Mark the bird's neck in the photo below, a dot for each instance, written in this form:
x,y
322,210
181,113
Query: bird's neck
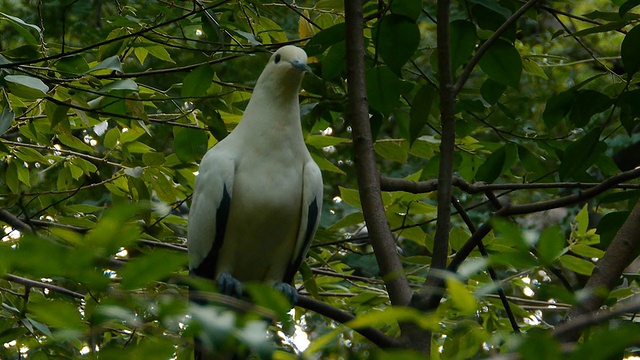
x,y
274,112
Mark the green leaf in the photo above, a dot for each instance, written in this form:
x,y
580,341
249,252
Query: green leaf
x,y
502,63
420,110
320,141
462,299
491,91
551,244
392,150
627,6
350,196
72,65
530,161
27,87
197,81
586,251
75,143
58,314
558,107
577,155
23,28
609,226
189,144
125,84
324,39
326,165
463,42
215,124
160,52
334,64
383,89
534,69
492,167
408,8
397,38
588,103
110,63
154,266
630,51
577,265
6,119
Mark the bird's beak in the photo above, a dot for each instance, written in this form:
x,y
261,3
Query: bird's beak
x,y
301,66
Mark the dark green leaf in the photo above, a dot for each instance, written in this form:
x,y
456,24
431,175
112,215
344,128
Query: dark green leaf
x,y
154,266
627,6
189,144
588,103
420,110
23,28
408,8
629,103
558,107
492,167
491,91
576,155
630,51
25,86
530,161
6,119
324,39
502,63
383,89
58,313
72,65
334,63
463,42
609,226
213,119
197,81
397,38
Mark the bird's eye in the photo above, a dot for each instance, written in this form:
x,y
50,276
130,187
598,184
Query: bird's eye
x,y
277,59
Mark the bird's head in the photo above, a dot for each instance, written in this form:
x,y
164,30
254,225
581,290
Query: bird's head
x,y
287,58
282,76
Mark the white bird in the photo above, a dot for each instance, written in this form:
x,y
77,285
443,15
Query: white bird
x,y
258,195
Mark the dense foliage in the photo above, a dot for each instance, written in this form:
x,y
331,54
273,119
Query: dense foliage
x,y
106,108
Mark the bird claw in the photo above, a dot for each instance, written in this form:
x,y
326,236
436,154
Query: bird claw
x,y
230,286
289,291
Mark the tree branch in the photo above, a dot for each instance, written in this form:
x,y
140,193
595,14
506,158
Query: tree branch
x,y
464,76
433,283
368,175
42,285
374,335
586,320
618,256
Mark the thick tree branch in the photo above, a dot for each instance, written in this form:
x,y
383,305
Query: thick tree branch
x,y
14,221
367,171
433,283
618,256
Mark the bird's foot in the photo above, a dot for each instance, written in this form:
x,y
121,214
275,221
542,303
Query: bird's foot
x,y
230,286
289,291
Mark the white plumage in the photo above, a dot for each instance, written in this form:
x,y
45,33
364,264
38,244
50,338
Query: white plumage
x,y
258,195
